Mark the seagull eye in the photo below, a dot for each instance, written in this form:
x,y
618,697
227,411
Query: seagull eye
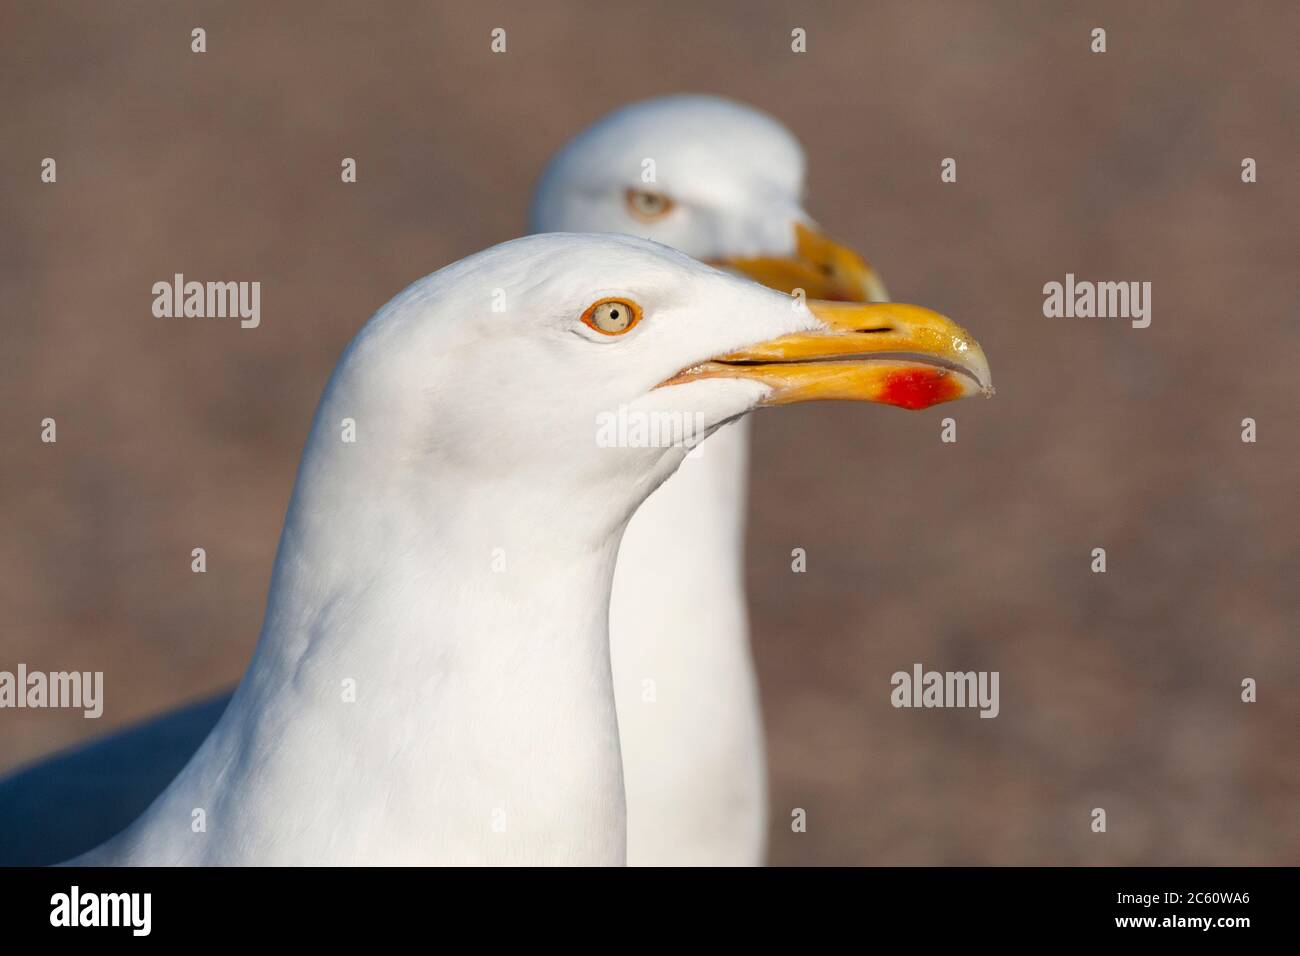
x,y
648,206
612,316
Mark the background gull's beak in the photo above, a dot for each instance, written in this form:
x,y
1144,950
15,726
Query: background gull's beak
x,y
820,266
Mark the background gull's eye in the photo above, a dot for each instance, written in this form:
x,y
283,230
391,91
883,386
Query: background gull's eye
x,y
648,206
612,316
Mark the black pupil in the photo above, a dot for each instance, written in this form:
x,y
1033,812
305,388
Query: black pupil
x,y
614,314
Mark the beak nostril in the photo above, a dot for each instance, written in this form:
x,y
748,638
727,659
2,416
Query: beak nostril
x,y
882,328
826,269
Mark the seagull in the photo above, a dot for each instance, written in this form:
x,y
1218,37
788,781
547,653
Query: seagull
x,y
722,182
432,683
726,189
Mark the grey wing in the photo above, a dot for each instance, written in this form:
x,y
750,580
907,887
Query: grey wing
x,y
72,802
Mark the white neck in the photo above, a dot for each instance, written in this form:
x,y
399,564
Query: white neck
x,y
693,749
483,728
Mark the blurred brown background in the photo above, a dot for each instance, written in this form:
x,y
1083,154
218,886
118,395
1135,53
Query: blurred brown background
x,y
1118,690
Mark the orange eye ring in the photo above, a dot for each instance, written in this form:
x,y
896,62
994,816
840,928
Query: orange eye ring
x,y
648,206
612,315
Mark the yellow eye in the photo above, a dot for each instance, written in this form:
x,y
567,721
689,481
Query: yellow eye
x,y
612,316
648,206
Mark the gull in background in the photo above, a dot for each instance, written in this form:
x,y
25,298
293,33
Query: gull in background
x,y
725,186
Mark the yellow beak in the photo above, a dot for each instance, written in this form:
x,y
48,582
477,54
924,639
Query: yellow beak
x,y
889,353
822,268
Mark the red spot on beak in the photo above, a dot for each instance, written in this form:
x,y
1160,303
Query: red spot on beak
x,y
916,388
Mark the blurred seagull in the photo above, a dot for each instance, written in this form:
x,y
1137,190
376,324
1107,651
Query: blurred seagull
x,y
411,702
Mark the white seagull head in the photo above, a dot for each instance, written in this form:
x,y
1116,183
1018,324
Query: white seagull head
x,y
720,181
585,366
